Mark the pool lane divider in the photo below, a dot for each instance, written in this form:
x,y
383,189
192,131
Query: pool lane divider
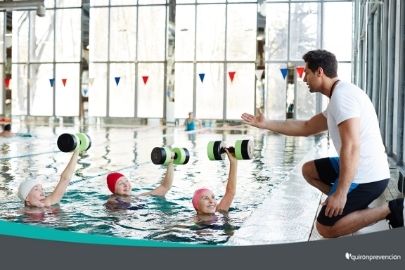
x,y
51,234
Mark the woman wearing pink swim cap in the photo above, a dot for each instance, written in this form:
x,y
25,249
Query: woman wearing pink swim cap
x,y
204,200
121,189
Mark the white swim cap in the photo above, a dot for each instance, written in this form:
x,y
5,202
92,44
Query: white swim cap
x,y
25,188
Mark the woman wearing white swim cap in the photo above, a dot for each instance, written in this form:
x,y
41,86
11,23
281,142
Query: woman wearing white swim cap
x,y
31,193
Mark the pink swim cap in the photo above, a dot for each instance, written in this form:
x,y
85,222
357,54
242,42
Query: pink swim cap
x,y
197,196
112,179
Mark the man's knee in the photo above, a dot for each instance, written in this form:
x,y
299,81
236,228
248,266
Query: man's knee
x,y
327,231
308,170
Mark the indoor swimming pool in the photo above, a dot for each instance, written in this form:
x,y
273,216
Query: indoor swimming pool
x,y
127,150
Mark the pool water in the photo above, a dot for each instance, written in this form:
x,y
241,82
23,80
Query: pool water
x,y
127,150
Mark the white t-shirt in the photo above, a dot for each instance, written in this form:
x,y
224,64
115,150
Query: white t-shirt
x,y
349,101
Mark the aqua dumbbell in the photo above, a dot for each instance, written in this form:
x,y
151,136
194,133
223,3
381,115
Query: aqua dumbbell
x,y
243,150
69,142
165,155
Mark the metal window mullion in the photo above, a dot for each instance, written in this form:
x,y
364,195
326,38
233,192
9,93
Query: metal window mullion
x,y
108,59
225,65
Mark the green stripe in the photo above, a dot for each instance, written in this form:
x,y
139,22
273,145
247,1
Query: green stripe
x,y
43,233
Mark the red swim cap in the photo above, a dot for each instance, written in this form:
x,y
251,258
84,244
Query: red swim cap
x,y
112,179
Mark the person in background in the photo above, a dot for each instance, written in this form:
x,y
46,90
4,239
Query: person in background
x,y
190,123
7,131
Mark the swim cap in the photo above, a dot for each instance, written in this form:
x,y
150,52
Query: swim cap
x,y
197,196
25,188
112,179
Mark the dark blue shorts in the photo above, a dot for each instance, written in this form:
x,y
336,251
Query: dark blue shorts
x,y
359,197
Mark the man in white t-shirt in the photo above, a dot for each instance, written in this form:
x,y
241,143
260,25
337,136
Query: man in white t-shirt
x,y
361,173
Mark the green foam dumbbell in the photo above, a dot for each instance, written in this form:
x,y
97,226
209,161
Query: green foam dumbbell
x,y
165,155
243,150
69,142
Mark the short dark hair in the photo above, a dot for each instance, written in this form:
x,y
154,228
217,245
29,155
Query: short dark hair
x,y
324,59
7,127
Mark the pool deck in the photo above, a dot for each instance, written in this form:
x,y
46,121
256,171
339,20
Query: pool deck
x,y
288,215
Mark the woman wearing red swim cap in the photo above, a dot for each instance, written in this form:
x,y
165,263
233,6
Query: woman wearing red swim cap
x,y
204,200
121,188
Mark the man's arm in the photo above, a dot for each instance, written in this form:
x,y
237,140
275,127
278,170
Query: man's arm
x,y
315,125
349,157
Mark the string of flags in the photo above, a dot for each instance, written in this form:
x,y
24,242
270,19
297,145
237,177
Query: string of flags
x,y
145,78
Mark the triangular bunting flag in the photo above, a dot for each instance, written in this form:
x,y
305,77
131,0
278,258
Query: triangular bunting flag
x,y
284,72
259,74
145,79
201,75
7,82
300,70
51,82
91,81
64,82
117,80
85,92
31,81
231,75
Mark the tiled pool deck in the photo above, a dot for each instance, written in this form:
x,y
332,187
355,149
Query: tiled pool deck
x,y
288,215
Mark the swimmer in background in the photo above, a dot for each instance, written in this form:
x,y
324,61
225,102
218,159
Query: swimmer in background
x,y
121,188
7,131
190,123
204,200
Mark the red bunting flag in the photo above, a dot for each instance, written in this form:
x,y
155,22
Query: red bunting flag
x,y
300,71
231,75
145,79
64,82
7,82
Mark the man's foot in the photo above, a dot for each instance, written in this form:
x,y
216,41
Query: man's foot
x,y
396,217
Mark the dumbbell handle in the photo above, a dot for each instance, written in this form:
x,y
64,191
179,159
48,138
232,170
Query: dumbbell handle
x,y
230,149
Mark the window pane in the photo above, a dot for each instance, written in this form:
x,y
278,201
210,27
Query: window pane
x,y
123,34
41,91
98,36
185,33
42,36
122,95
122,2
150,93
305,101
338,36
210,91
1,89
276,31
152,33
149,2
2,37
276,92
68,3
20,37
303,29
240,94
97,89
19,85
241,33
67,89
68,35
345,71
95,3
184,85
210,32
